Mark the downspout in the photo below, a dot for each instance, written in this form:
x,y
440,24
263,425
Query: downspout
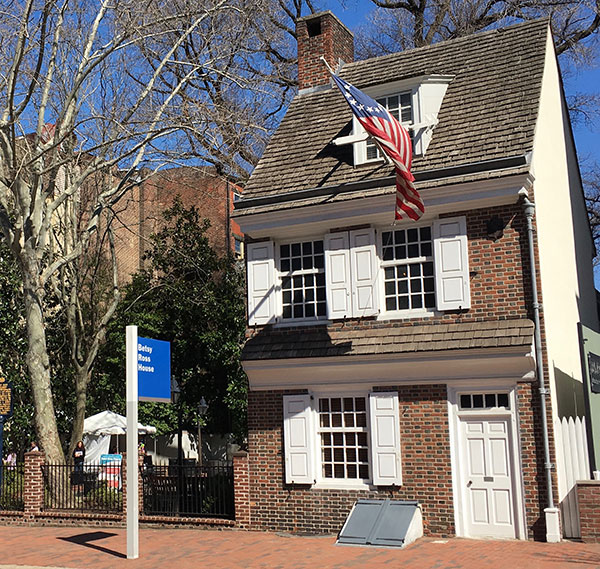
x,y
552,524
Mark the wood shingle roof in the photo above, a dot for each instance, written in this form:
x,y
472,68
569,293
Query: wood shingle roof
x,y
489,112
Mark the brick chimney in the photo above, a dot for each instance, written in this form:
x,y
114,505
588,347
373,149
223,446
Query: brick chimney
x,y
319,35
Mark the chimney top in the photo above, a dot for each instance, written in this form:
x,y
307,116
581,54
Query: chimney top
x,y
319,35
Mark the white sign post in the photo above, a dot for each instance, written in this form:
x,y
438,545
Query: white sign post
x,y
133,546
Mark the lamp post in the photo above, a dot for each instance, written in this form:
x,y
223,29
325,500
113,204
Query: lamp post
x,y
202,409
175,395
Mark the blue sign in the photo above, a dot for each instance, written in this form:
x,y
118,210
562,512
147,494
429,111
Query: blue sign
x,y
110,459
154,370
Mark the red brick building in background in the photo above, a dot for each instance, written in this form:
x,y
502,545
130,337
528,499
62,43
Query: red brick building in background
x,y
140,212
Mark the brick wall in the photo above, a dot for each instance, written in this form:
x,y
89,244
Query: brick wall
x,y
321,35
139,213
426,468
588,497
276,506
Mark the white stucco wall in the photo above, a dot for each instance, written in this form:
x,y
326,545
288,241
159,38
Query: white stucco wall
x,y
564,240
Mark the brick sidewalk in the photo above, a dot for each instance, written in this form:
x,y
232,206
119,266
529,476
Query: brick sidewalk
x,y
91,548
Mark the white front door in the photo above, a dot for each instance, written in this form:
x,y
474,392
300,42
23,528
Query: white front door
x,y
487,477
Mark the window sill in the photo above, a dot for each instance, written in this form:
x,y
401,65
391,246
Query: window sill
x,y
406,314
301,323
342,486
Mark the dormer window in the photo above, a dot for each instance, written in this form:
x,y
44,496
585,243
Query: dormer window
x,y
415,102
400,107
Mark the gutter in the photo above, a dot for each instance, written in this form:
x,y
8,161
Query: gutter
x,y
424,176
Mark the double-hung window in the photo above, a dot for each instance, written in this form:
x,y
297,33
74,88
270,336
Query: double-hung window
x,y
302,274
401,108
343,437
408,270
341,440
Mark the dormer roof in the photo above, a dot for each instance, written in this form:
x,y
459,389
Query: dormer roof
x,y
486,121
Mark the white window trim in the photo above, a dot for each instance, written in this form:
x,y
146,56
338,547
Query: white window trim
x,y
338,483
278,276
411,312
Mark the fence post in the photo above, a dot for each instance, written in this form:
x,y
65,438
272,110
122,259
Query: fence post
x,y
33,483
241,489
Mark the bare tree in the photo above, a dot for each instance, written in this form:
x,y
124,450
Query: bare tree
x,y
402,24
89,93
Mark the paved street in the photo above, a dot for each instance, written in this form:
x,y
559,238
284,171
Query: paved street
x,y
97,548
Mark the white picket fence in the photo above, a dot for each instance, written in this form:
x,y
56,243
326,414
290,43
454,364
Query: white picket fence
x,y
574,464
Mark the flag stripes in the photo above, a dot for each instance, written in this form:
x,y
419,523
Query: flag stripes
x,y
393,140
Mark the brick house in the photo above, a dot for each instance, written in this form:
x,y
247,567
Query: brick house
x,y
412,360
139,213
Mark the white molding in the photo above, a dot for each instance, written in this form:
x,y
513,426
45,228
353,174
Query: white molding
x,y
352,372
320,218
512,415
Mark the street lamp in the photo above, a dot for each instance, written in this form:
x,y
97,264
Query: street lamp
x,y
202,409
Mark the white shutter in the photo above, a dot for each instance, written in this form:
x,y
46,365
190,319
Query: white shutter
x,y
451,258
385,439
298,439
261,283
363,259
337,273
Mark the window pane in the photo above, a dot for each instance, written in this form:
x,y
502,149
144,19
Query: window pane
x,y
490,400
305,262
465,401
478,401
363,471
348,404
323,405
351,471
336,404
503,400
390,304
400,237
360,403
413,235
387,238
336,420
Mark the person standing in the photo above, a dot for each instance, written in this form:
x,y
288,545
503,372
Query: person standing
x,y
78,459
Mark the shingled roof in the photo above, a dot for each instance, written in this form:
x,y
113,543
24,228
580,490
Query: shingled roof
x,y
488,113
330,341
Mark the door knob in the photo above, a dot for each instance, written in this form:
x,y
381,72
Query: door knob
x,y
469,483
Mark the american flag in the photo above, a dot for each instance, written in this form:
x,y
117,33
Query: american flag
x,y
394,141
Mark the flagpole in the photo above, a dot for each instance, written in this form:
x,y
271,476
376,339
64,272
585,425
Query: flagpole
x,y
326,64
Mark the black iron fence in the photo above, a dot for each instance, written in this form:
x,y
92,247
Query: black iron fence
x,y
11,487
189,490
85,488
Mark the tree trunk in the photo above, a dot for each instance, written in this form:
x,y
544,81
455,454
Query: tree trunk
x,y
39,366
81,383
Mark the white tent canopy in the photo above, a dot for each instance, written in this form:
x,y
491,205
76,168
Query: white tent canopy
x,y
110,423
98,429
